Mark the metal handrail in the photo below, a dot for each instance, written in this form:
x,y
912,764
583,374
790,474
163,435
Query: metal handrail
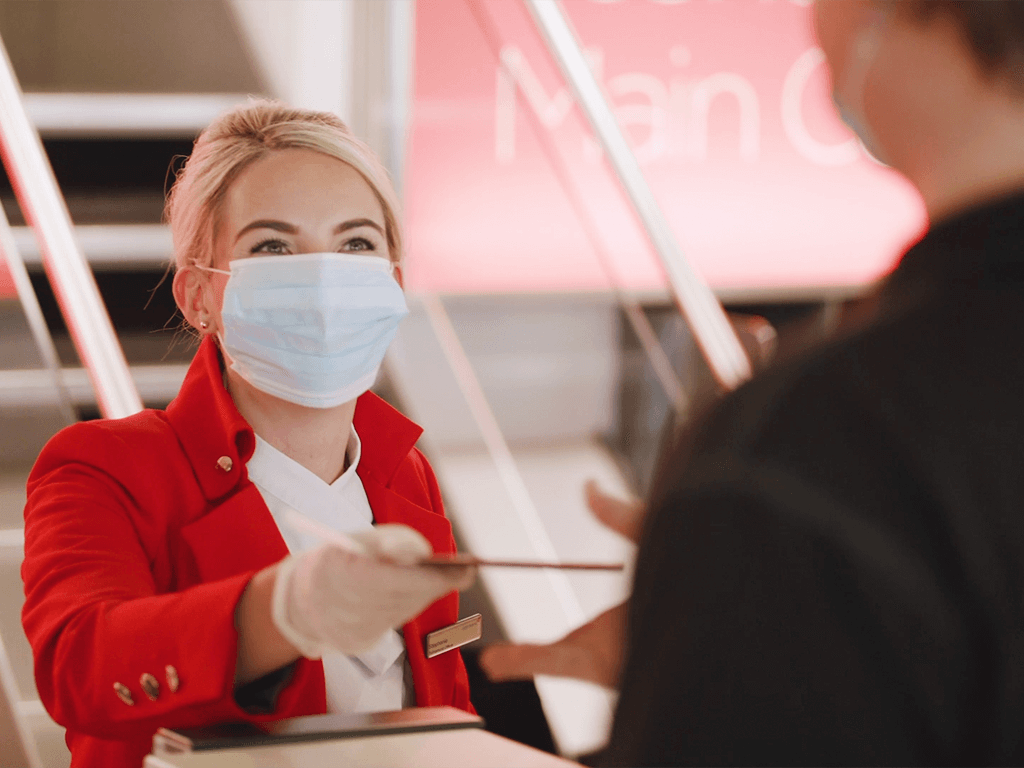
x,y
34,315
39,197
705,315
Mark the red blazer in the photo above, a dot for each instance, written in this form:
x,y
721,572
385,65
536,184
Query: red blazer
x,y
140,536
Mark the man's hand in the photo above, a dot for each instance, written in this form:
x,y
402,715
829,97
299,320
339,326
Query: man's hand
x,y
623,517
592,652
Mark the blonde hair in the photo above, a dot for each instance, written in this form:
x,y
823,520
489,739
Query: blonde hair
x,y
242,136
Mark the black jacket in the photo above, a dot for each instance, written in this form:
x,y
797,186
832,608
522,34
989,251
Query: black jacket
x,y
833,569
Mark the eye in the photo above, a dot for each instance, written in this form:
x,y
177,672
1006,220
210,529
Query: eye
x,y
358,244
273,246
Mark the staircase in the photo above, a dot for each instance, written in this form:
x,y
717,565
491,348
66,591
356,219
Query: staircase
x,y
117,89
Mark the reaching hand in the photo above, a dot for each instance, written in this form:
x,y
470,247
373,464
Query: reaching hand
x,y
592,652
623,517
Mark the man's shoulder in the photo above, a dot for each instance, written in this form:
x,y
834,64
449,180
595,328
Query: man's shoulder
x,y
841,382
840,418
788,395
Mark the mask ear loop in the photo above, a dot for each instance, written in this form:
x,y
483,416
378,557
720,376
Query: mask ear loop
x,y
212,269
865,49
854,83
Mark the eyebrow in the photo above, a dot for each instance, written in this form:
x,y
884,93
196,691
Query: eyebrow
x,y
291,229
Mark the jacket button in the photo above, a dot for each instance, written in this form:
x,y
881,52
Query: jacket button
x,y
172,678
150,686
225,463
124,694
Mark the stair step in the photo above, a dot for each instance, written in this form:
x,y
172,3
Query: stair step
x,y
33,388
110,246
135,115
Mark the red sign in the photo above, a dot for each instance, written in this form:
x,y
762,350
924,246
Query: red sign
x,y
727,107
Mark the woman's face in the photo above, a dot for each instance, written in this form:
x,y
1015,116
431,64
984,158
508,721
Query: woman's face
x,y
292,201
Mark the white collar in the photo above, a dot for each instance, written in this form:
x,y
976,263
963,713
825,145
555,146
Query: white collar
x,y
353,451
296,485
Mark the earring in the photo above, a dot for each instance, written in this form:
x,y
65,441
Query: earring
x,y
203,325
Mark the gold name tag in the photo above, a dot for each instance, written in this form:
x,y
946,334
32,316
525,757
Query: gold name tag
x,y
458,634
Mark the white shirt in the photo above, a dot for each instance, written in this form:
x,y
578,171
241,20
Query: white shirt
x,y
372,681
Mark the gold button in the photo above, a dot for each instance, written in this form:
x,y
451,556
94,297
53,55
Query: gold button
x,y
225,463
172,678
124,694
150,686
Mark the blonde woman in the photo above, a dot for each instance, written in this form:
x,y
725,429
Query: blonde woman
x,y
170,580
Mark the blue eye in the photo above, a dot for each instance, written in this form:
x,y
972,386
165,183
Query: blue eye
x,y
359,244
273,246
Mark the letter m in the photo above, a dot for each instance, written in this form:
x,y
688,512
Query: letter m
x,y
514,70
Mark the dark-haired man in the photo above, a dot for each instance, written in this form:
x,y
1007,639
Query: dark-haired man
x,y
832,568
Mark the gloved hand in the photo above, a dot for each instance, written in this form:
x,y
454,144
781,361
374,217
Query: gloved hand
x,y
329,599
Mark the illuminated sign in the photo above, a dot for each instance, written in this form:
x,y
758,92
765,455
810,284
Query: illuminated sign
x,y
727,107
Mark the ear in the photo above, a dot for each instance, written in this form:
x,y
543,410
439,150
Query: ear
x,y
189,293
399,277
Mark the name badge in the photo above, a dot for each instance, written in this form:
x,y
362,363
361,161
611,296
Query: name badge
x,y
454,636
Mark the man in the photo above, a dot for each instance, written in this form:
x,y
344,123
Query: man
x,y
832,569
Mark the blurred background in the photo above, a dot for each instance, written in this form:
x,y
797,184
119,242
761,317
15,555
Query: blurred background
x,y
544,346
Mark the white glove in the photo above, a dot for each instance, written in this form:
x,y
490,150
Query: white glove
x,y
329,599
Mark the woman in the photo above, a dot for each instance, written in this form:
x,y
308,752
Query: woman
x,y
159,586
830,572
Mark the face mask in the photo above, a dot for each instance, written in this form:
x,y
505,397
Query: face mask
x,y
848,96
310,328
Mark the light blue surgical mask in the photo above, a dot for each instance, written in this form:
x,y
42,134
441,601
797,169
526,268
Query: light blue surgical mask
x,y
310,328
848,96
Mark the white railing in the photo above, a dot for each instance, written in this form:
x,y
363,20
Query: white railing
x,y
54,385
85,315
40,199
